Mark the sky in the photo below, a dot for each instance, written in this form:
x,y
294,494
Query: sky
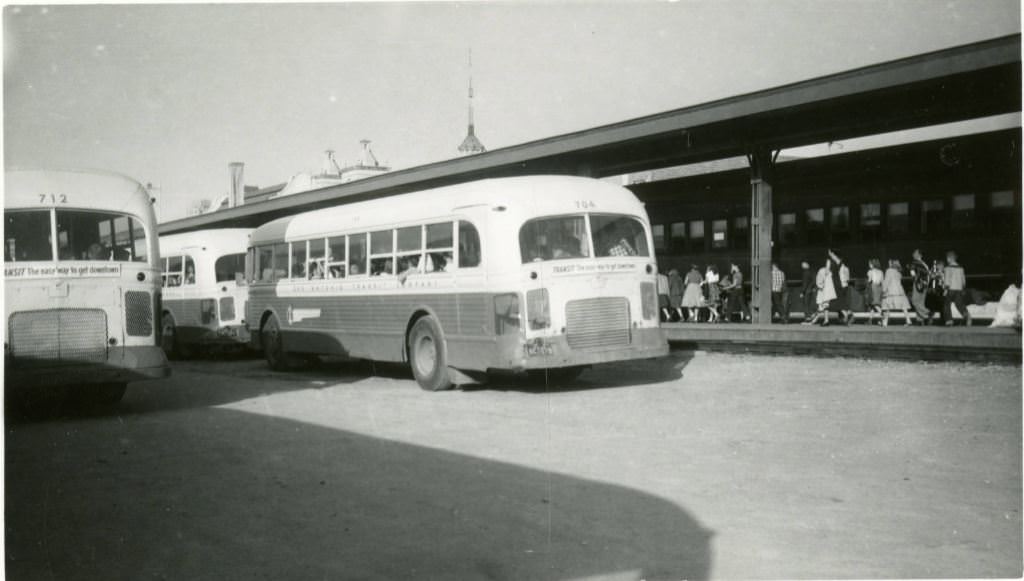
x,y
170,94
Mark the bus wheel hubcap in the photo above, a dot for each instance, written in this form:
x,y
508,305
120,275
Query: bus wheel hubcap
x,y
426,355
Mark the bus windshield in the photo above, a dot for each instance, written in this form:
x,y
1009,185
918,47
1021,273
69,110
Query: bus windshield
x,y
565,237
81,235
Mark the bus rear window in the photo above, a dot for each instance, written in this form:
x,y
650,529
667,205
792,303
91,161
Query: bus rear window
x,y
618,236
230,267
83,235
554,239
565,237
27,236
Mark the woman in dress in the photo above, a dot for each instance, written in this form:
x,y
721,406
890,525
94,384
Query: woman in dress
x,y
841,282
825,295
893,296
875,278
675,292
711,280
693,299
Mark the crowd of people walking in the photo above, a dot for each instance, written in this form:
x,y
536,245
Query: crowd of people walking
x,y
829,289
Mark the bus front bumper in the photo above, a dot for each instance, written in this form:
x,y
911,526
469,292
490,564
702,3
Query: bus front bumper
x,y
554,352
122,365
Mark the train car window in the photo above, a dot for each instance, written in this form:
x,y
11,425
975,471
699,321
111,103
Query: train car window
x,y
787,229
870,222
740,231
658,233
815,227
1000,200
1002,216
933,217
839,223
963,212
898,219
696,228
719,234
677,236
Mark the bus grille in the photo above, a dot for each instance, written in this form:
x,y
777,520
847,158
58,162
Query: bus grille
x,y
138,312
227,308
599,322
58,335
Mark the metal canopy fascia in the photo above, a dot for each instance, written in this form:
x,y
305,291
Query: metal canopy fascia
x,y
955,84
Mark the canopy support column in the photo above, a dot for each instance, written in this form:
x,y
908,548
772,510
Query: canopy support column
x,y
762,166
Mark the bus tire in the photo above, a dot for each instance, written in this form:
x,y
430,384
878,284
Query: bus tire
x,y
428,355
171,342
273,346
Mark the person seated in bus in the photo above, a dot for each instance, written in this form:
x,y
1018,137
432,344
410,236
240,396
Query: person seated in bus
x,y
336,271
439,261
190,274
469,255
567,247
174,280
379,266
95,252
316,270
354,269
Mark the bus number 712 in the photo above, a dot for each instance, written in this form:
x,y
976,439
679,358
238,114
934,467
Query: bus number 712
x,y
53,198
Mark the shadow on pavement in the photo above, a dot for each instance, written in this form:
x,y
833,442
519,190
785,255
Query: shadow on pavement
x,y
604,376
222,494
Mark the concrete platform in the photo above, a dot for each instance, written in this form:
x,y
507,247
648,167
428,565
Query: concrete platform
x,y
932,343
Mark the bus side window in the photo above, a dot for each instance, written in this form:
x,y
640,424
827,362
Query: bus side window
x,y
469,245
357,254
299,259
336,257
174,270
190,270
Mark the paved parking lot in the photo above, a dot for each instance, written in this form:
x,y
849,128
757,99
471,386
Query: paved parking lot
x,y
699,465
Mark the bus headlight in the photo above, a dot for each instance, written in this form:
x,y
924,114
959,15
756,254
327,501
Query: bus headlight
x,y
538,309
648,300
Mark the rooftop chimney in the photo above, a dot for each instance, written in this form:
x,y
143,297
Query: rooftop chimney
x,y
236,193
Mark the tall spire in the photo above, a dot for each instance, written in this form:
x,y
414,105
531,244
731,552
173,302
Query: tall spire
x,y
471,145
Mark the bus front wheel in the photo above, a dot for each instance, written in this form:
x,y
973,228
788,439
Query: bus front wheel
x,y
273,346
171,342
428,355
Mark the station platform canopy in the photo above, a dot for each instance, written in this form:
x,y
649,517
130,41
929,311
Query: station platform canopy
x,y
961,83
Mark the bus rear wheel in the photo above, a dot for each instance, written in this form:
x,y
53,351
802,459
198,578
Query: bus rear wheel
x,y
428,355
273,346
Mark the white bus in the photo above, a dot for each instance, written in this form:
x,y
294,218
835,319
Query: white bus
x,y
81,283
204,290
519,274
